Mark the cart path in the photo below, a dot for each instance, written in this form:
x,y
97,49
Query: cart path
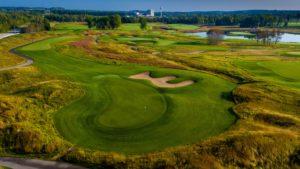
x,y
20,163
27,61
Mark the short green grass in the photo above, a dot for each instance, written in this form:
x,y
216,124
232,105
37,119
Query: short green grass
x,y
183,26
70,26
283,72
241,34
46,45
288,69
293,54
294,25
132,116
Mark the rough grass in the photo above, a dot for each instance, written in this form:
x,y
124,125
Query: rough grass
x,y
26,102
8,59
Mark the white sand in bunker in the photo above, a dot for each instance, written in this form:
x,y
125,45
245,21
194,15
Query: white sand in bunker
x,y
162,81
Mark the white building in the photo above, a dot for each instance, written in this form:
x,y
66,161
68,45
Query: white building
x,y
152,13
149,13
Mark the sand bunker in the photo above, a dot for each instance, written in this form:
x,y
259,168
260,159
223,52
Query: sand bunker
x,y
161,82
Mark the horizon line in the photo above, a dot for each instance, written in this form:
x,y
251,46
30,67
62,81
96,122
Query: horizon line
x,y
78,9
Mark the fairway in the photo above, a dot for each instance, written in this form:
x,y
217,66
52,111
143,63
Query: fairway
x,y
283,72
133,116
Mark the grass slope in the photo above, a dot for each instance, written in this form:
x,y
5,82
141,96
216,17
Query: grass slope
x,y
282,72
131,116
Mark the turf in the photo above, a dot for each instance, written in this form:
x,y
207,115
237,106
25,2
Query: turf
x,y
289,69
283,72
70,26
132,116
46,45
241,34
294,25
183,26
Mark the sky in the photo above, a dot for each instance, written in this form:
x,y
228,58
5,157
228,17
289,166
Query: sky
x,y
168,5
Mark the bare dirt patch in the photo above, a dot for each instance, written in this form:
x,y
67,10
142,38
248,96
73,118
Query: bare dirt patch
x,y
162,81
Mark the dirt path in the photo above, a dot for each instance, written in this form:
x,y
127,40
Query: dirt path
x,y
18,163
163,81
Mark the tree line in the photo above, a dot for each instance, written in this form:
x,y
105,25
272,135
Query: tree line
x,y
15,18
24,21
259,20
104,22
251,18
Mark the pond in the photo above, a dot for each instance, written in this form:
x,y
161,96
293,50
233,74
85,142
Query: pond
x,y
285,37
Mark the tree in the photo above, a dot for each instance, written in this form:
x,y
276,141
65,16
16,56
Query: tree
x,y
103,23
143,22
115,21
47,25
111,22
215,36
267,37
90,22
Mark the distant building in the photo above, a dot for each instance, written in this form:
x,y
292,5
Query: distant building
x,y
138,14
150,13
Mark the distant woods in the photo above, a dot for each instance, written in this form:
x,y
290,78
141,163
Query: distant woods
x,y
36,20
105,22
250,18
36,25
24,21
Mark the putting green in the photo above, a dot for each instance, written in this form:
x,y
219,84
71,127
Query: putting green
x,y
134,109
132,116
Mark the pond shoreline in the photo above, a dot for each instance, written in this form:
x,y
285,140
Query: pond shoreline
x,y
285,37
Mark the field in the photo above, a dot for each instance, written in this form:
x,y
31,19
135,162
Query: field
x,y
78,100
294,25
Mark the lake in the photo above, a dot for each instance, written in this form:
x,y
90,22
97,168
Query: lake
x,y
286,37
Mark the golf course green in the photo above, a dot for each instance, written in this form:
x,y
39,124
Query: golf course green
x,y
119,114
